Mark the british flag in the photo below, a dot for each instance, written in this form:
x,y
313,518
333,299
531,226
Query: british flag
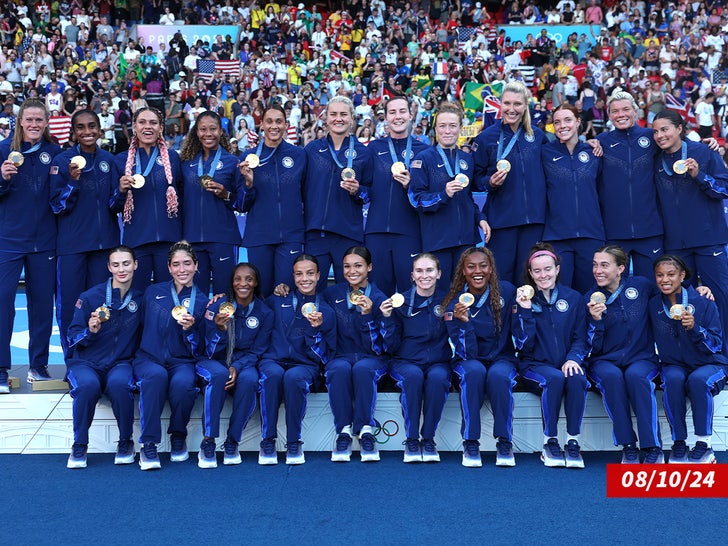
x,y
684,108
207,67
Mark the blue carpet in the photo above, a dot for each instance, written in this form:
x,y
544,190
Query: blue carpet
x,y
326,503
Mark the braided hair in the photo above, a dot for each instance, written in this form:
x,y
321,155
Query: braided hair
x,y
172,201
458,283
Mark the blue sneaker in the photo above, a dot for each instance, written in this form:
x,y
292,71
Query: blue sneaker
x,y
368,448
551,455
148,457
294,453
232,454
124,452
679,453
268,454
39,374
655,456
77,458
572,455
429,451
471,454
4,384
630,454
178,452
342,449
412,451
504,453
701,454
206,458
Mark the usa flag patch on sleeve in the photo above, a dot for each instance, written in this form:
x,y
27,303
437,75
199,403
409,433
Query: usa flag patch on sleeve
x,y
79,303
209,315
54,169
416,164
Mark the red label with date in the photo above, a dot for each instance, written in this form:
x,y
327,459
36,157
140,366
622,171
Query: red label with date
x,y
667,480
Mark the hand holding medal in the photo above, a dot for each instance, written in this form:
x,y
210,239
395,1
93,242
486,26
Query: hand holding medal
x,y
11,165
76,166
349,181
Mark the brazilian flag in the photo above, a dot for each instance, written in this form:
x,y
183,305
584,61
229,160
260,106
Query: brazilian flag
x,y
473,96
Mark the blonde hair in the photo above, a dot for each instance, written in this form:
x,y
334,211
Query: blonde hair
x,y
19,135
346,101
519,88
621,94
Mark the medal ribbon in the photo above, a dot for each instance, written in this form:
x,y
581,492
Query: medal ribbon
x,y
407,153
536,307
684,302
349,159
260,149
447,162
511,143
411,306
33,148
483,297
124,303
92,162
193,296
295,302
150,165
200,165
683,157
367,291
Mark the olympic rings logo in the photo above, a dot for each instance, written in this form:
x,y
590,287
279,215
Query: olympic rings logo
x,y
386,432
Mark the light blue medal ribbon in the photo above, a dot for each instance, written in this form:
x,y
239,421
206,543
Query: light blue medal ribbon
x,y
501,153
295,302
211,171
683,157
411,306
193,297
536,307
150,165
259,150
366,291
614,296
350,155
684,303
124,303
447,162
482,299
92,162
33,148
407,153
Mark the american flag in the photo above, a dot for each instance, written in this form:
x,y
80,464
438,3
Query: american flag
x,y
60,128
681,107
207,67
464,34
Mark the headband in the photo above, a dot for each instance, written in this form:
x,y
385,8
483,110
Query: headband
x,y
540,253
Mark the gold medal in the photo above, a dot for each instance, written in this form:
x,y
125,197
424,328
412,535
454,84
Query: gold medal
x,y
79,161
308,308
467,299
178,311
354,296
252,160
397,300
677,311
527,291
680,167
348,174
462,179
503,165
16,158
398,167
597,297
205,181
103,313
138,181
227,309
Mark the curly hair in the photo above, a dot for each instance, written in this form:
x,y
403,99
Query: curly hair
x,y
191,145
458,283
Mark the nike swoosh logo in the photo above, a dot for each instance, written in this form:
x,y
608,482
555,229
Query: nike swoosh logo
x,y
717,253
613,145
656,250
661,171
323,150
294,251
414,255
51,257
286,305
557,158
159,297
381,153
339,301
440,165
417,313
225,258
475,314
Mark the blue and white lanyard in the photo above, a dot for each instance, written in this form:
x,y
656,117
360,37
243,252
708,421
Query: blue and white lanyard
x,y
213,165
193,296
367,291
350,154
412,303
407,153
295,302
684,303
683,157
124,303
259,149
150,165
447,163
509,147
92,162
536,307
482,299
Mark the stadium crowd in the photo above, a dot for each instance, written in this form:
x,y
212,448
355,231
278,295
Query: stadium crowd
x,y
603,207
